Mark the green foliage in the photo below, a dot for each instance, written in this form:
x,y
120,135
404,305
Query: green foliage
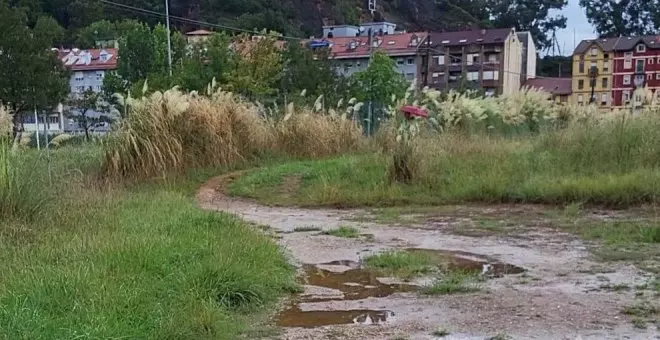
x,y
454,282
49,30
30,74
81,106
205,61
258,68
613,18
138,54
103,30
344,232
380,81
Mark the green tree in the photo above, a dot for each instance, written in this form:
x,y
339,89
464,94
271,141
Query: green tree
x,y
555,66
258,67
82,105
48,29
613,18
379,81
137,54
206,60
31,75
102,30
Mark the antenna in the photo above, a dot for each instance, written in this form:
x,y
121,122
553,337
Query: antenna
x,y
372,6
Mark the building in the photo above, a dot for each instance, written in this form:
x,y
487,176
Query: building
x,y
379,28
487,59
614,68
559,88
636,66
352,53
592,72
198,36
528,56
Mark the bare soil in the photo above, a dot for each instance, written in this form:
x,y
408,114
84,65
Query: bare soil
x,y
561,295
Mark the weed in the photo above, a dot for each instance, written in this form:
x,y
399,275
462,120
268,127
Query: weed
x,y
639,323
500,337
441,333
306,229
644,310
343,231
402,263
454,282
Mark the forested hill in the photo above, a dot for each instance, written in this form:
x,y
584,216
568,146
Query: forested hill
x,y
304,18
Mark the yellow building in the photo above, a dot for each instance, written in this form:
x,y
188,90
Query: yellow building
x,y
593,65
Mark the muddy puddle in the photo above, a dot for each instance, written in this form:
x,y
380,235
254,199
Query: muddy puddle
x,y
348,281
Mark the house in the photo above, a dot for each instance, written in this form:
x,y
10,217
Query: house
x,y
88,68
352,53
636,67
486,59
614,68
559,88
592,72
197,36
378,28
528,56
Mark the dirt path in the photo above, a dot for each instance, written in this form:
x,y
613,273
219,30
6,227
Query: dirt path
x,y
560,295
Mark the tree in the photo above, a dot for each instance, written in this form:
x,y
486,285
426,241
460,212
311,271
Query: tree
x,y
614,18
137,54
258,67
48,29
555,66
203,62
102,30
379,81
82,105
31,75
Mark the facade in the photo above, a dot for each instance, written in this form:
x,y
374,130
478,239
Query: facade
x,y
487,59
351,54
618,68
528,57
592,72
636,66
559,88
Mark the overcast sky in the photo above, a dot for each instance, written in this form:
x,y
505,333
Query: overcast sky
x,y
577,22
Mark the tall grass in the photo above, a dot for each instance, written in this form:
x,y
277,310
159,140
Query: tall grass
x,y
173,131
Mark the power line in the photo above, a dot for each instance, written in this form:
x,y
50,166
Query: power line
x,y
186,20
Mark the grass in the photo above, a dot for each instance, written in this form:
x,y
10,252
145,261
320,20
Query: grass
x,y
454,282
140,263
344,232
441,333
402,263
611,164
306,229
622,232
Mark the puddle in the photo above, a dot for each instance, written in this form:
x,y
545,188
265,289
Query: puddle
x,y
294,317
357,283
457,260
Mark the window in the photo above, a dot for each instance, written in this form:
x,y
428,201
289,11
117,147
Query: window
x,y
99,88
53,120
456,61
626,97
639,80
639,65
593,65
441,59
657,76
606,56
79,76
627,63
626,79
641,48
649,76
410,61
80,89
605,83
651,61
473,76
410,76
603,99
399,61
492,58
606,66
580,99
100,75
581,84
581,66
348,65
594,51
437,77
658,60
472,58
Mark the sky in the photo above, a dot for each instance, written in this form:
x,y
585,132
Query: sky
x,y
577,22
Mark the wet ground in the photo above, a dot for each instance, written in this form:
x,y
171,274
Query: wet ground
x,y
541,283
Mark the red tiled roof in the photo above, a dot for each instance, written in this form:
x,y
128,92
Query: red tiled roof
x,y
392,44
88,60
200,32
556,86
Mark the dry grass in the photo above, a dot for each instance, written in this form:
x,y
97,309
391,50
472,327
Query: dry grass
x,y
173,131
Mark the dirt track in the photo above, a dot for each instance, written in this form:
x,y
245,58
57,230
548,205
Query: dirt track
x,y
560,296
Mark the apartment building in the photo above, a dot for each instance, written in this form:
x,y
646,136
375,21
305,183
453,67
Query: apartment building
x,y
487,59
528,56
636,66
352,53
592,72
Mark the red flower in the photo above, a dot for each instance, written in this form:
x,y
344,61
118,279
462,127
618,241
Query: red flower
x,y
410,112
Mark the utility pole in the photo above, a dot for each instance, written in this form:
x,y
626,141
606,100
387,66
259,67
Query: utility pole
x,y
370,111
36,127
169,38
